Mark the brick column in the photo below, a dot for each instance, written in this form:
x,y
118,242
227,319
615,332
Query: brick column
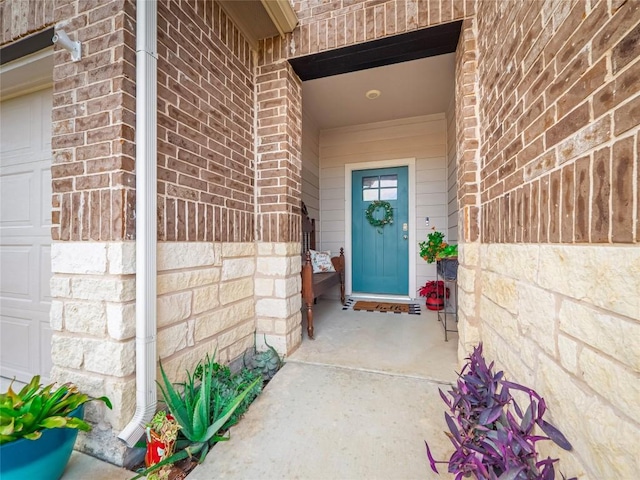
x,y
278,194
467,133
93,253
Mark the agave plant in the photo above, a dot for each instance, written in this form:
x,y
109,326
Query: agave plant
x,y
34,408
225,386
492,441
192,410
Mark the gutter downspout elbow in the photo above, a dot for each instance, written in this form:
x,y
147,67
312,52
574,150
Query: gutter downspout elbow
x,y
146,226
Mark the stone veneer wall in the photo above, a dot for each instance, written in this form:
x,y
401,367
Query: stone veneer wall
x,y
205,304
277,296
556,277
93,317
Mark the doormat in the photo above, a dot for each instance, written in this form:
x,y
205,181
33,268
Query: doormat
x,y
385,307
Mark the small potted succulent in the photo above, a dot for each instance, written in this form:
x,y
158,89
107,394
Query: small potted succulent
x,y
38,428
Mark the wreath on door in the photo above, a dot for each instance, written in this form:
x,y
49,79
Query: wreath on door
x,y
379,223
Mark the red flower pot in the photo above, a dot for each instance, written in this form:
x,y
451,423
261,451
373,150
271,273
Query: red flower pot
x,y
435,302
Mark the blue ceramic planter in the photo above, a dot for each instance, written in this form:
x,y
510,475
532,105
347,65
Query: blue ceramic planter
x,y
44,459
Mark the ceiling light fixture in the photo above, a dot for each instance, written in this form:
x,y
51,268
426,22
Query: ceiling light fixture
x,y
373,94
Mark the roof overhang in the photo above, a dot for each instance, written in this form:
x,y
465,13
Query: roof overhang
x,y
259,19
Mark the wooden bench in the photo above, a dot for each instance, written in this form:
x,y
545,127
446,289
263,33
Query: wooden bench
x,y
316,284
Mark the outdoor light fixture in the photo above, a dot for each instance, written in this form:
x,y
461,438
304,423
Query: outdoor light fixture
x,y
75,48
373,94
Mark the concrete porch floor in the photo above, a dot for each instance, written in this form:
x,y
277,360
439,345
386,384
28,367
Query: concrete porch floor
x,y
356,403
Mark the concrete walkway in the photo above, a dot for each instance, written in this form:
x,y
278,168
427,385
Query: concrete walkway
x,y
86,467
356,414
356,403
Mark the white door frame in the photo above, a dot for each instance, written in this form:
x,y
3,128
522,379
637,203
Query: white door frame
x,y
398,162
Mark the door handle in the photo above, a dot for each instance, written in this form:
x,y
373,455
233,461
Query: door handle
x,y
405,236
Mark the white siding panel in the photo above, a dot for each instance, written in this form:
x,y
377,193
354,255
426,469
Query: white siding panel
x,y
430,187
452,173
310,167
423,138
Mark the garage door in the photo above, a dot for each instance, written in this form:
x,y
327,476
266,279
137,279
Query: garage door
x,y
25,235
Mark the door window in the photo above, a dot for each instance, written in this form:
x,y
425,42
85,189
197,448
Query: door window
x,y
383,187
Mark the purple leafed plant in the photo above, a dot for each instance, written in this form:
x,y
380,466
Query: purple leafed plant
x,y
493,436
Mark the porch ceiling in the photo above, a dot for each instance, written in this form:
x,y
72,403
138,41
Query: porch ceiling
x,y
408,89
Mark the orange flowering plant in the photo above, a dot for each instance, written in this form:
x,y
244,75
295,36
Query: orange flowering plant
x,y
435,248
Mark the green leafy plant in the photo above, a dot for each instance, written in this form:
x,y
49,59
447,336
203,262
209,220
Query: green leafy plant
x,y
35,408
435,248
267,362
192,410
225,386
494,437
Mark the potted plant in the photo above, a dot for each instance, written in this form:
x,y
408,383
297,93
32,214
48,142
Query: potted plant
x,y
494,438
435,249
38,428
434,291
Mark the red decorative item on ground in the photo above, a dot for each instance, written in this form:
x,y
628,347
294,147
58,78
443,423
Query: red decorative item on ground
x,y
156,449
160,444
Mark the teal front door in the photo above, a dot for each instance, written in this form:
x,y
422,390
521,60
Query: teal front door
x,y
380,261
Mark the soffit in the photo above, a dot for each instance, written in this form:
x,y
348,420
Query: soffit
x,y
261,19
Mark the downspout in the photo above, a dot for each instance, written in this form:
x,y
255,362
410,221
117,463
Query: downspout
x,y
146,227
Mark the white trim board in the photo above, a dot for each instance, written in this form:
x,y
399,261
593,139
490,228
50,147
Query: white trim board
x,y
27,74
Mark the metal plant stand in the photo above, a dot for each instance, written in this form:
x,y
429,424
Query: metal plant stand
x,y
447,271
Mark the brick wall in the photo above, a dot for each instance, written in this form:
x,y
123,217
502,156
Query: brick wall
x,y
205,125
558,111
279,160
21,18
93,124
559,120
467,132
338,23
322,26
93,114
